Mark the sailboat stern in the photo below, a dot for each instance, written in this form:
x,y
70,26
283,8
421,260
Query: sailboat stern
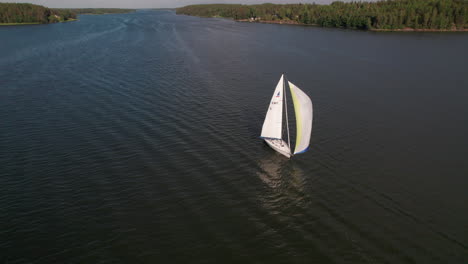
x,y
279,145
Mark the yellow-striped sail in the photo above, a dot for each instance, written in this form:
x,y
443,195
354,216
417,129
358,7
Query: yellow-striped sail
x,y
304,114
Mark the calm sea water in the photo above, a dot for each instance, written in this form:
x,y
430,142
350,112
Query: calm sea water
x,y
134,138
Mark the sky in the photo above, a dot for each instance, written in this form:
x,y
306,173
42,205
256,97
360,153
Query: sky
x,y
152,3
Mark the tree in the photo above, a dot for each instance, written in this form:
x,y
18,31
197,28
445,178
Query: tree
x,y
388,14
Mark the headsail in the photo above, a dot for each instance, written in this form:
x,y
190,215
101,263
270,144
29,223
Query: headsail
x,y
273,124
303,111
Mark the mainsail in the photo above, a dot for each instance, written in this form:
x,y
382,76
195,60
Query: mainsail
x,y
272,126
303,111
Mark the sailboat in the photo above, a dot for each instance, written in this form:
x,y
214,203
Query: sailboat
x,y
272,130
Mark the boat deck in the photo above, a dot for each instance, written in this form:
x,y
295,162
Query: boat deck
x,y
279,145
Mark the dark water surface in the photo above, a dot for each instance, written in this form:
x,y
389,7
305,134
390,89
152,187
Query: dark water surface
x,y
134,138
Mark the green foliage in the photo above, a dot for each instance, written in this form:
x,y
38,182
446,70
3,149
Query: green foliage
x,y
386,14
29,13
96,11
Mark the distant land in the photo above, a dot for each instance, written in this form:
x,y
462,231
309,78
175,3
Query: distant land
x,y
18,14
97,11
164,9
26,14
390,15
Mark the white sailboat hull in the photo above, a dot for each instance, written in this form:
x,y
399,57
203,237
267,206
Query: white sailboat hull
x,y
279,145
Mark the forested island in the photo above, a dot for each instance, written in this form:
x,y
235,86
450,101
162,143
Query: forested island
x,y
390,15
17,14
21,14
97,11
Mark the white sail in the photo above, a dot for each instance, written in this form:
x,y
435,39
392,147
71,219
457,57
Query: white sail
x,y
304,114
273,124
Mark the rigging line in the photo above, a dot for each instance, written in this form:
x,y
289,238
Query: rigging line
x,y
286,107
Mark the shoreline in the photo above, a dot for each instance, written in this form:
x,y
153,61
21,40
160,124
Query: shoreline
x,y
282,22
35,23
418,30
291,22
20,24
69,20
91,14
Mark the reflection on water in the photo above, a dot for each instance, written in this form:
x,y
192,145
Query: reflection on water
x,y
272,169
285,181
277,171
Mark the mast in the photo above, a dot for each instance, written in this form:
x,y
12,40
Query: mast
x,y
286,107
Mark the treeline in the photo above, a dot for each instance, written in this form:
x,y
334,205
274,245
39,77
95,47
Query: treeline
x,y
97,11
383,15
12,13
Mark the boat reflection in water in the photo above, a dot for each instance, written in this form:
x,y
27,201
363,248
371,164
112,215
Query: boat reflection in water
x,y
285,184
